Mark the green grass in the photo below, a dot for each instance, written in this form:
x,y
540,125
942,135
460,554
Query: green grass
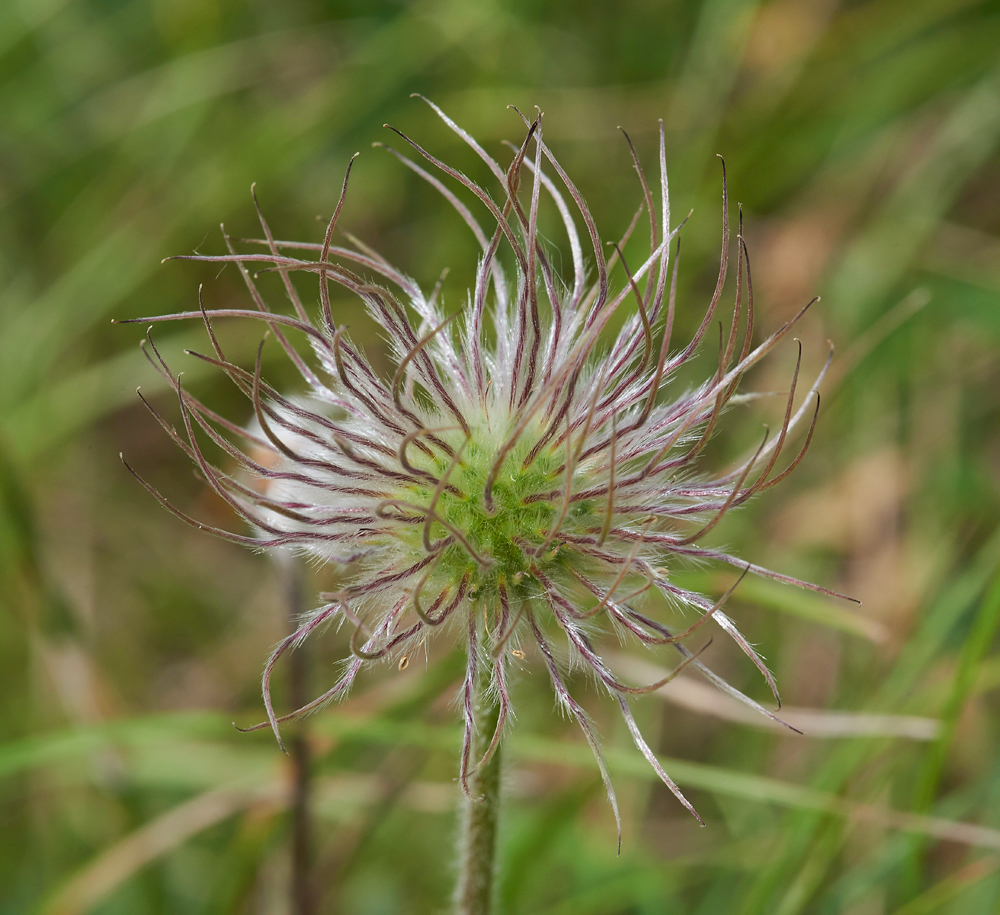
x,y
863,140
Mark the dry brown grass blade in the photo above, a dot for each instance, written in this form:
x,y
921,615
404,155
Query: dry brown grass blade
x,y
119,862
693,695
116,864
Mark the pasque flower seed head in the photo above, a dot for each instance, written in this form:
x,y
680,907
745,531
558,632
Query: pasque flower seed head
x,y
525,478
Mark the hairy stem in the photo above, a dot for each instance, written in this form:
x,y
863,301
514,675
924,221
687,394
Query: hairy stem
x,y
477,846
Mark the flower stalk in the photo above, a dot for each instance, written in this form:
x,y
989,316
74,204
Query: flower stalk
x,y
525,468
480,814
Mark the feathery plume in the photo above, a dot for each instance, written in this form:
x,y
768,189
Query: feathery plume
x,y
524,476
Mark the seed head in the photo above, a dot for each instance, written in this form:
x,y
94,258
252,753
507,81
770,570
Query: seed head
x,y
525,479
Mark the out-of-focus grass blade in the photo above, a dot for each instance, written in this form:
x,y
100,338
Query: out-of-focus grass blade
x,y
698,696
45,749
40,751
756,788
977,643
162,835
612,893
38,333
879,256
119,862
524,852
980,638
944,612
19,19
825,611
58,411
946,890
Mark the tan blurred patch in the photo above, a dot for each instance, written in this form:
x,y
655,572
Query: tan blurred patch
x,y
84,694
266,457
873,901
965,253
192,683
854,507
790,257
783,32
971,752
860,515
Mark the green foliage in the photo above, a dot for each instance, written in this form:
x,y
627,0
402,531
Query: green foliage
x,y
863,140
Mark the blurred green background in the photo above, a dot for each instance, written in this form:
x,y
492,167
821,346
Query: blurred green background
x,y
863,140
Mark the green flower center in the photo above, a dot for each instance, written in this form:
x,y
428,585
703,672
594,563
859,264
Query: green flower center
x,y
500,547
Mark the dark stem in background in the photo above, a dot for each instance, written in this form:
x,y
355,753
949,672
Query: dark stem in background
x,y
303,900
396,773
477,844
